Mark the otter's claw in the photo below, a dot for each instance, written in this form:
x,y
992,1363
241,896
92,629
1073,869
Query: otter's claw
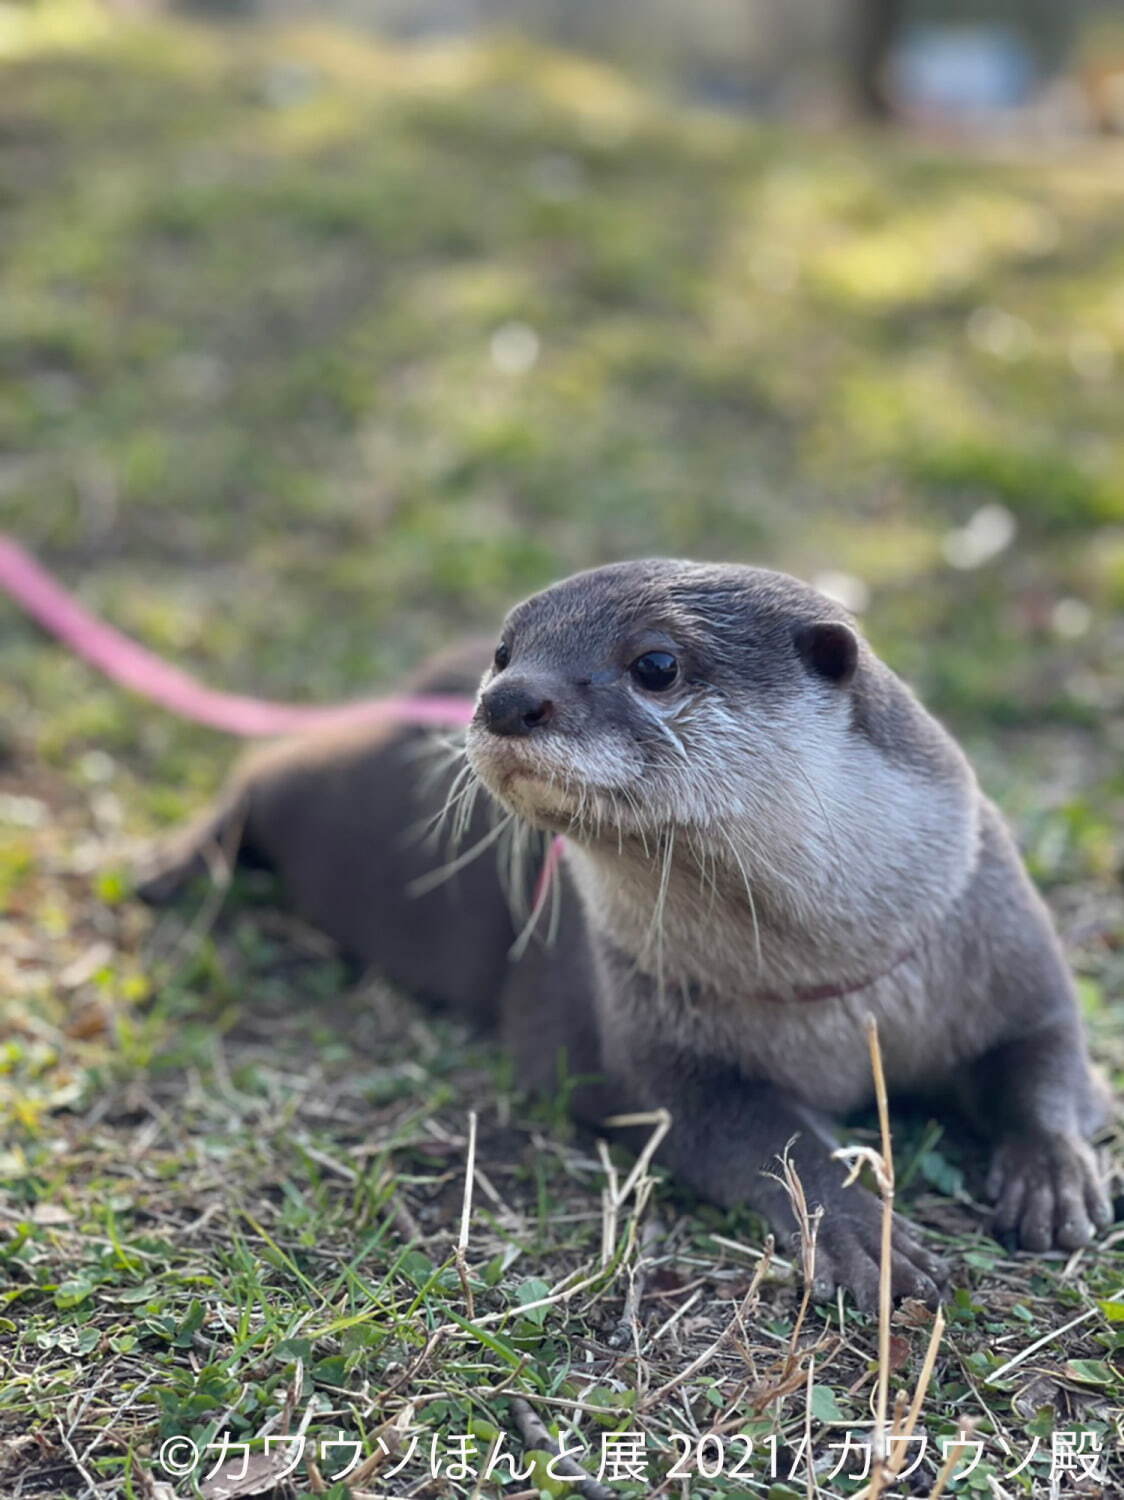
x,y
1048,1192
849,1252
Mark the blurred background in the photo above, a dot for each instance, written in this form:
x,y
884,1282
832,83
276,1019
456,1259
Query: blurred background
x,y
327,330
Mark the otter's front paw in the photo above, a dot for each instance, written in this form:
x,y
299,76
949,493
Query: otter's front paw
x,y
1047,1191
849,1252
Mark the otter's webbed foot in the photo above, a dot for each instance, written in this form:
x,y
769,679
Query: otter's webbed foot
x,y
162,872
849,1255
729,1135
211,845
1048,1191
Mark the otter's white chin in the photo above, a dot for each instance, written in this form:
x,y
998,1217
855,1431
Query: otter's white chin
x,y
535,797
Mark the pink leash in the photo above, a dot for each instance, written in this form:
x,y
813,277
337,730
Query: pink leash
x,y
141,671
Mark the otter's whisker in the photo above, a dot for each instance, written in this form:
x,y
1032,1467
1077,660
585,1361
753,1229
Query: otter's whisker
x,y
464,812
736,856
434,878
460,791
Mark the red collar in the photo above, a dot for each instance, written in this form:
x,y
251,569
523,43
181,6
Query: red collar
x,y
836,991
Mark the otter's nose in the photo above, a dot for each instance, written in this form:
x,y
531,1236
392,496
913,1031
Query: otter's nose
x,y
515,708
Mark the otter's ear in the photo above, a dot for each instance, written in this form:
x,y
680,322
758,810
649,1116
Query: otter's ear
x,y
829,649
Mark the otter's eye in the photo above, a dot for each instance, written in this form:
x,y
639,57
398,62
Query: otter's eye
x,y
502,656
655,671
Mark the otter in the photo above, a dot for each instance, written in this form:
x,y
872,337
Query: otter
x,y
764,839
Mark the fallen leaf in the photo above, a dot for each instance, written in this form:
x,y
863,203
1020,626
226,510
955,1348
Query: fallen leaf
x,y
51,1213
89,1021
85,966
899,1351
242,1477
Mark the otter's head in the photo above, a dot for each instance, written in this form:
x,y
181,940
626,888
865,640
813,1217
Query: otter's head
x,y
651,694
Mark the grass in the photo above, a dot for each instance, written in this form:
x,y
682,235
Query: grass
x,y
314,354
